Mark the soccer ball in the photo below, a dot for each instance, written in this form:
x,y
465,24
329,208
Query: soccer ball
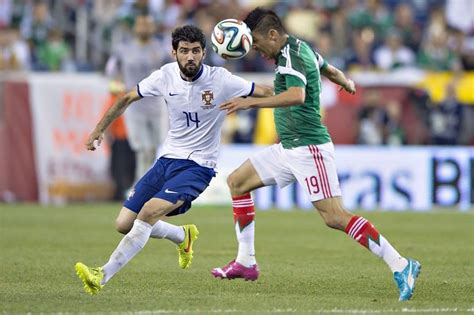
x,y
231,39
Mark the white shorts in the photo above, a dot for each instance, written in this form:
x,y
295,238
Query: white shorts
x,y
312,166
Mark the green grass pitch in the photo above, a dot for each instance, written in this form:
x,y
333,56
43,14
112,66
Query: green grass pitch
x,y
306,268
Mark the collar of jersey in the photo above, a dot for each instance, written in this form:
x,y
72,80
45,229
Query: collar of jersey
x,y
197,76
281,50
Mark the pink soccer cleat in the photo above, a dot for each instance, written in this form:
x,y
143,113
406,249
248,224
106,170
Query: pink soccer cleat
x,y
234,270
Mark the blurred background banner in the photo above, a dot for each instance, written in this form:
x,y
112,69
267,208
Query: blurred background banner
x,y
372,178
64,110
400,178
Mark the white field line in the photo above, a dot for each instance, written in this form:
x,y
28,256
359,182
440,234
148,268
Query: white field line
x,y
403,310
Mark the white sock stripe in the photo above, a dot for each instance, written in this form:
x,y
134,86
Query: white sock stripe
x,y
357,226
237,200
240,202
356,231
243,206
354,225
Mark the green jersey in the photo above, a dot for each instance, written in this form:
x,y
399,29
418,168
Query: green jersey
x,y
299,125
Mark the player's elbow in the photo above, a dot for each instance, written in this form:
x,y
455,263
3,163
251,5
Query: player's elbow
x,y
130,97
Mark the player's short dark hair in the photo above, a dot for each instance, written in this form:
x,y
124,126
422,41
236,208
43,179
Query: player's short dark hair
x,y
188,33
261,20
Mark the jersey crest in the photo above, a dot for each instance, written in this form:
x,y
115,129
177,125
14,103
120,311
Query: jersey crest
x,y
207,97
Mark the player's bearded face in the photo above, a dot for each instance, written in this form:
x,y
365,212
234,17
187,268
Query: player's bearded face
x,y
189,57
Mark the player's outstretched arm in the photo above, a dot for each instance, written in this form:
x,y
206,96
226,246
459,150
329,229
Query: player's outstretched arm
x,y
338,77
262,91
293,96
112,113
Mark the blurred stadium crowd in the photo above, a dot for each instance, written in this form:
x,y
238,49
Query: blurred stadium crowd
x,y
78,35
354,35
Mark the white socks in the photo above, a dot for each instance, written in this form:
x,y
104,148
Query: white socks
x,y
246,253
128,247
168,231
389,254
135,240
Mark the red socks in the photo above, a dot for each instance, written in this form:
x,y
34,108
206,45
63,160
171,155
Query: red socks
x,y
362,230
244,210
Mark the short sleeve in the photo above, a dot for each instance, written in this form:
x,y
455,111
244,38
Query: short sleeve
x,y
235,86
321,62
151,85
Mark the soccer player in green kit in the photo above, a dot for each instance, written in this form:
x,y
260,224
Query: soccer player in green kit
x,y
305,153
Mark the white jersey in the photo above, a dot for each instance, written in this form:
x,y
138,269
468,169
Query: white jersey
x,y
195,120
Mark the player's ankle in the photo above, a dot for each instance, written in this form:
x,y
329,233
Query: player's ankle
x,y
246,261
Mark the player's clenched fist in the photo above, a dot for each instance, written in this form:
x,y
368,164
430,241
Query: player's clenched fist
x,y
349,87
94,136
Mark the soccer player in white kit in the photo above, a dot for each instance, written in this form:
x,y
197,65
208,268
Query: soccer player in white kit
x,y
192,92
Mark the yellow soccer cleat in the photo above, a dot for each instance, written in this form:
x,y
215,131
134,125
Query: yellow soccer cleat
x,y
185,249
91,277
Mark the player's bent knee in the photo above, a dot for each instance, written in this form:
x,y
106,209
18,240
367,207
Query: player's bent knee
x,y
230,180
235,186
122,227
124,221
